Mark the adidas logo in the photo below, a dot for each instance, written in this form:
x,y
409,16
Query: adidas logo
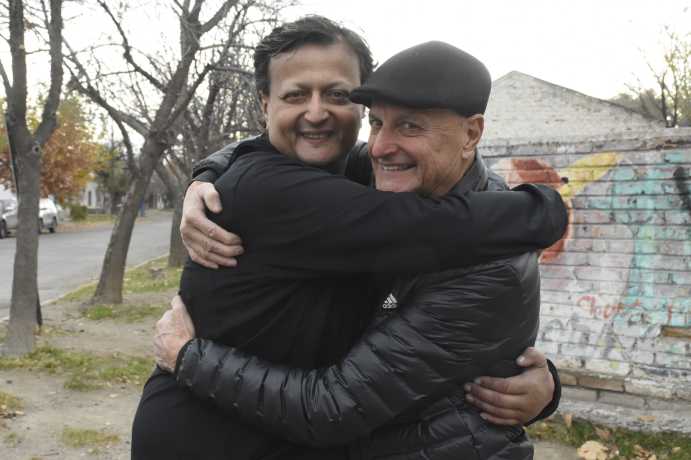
x,y
390,302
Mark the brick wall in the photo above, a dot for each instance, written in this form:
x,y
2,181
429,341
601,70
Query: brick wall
x,y
616,291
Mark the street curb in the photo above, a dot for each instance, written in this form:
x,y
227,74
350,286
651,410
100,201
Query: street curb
x,y
56,299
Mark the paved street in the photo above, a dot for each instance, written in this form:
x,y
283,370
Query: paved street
x,y
71,258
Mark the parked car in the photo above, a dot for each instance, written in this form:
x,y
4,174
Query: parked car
x,y
8,217
47,216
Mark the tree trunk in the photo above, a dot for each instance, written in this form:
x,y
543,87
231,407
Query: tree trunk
x,y
23,307
109,289
175,193
178,254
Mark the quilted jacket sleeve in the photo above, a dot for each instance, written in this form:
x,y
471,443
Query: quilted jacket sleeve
x,y
429,347
213,166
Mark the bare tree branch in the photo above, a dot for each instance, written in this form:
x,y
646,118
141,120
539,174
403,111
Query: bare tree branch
x,y
94,95
127,53
5,80
220,14
181,106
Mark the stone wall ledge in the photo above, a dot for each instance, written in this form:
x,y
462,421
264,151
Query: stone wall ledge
x,y
653,416
657,390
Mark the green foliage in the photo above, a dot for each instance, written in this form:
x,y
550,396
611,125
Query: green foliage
x,y
9,403
154,276
78,212
622,444
84,371
111,171
129,313
77,437
69,156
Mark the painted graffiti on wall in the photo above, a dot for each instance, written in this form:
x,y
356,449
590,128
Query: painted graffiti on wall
x,y
623,269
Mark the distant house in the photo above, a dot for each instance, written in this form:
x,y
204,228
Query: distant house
x,y
92,197
96,200
523,108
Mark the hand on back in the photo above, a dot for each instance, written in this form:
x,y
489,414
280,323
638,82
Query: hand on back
x,y
207,243
515,400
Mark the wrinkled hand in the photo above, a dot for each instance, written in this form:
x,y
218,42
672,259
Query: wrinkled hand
x,y
515,400
207,243
173,331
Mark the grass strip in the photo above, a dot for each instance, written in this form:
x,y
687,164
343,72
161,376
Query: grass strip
x,y
78,437
154,276
83,371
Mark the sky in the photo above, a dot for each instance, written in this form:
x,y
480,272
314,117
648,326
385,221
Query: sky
x,y
595,47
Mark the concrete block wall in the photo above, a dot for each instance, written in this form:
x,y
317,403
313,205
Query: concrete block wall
x,y
616,290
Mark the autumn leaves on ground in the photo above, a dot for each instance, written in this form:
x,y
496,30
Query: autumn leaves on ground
x,y
76,394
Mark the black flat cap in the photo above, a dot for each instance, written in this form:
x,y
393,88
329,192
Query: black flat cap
x,y
430,75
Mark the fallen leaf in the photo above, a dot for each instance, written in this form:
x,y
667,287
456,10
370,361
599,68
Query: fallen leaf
x,y
592,450
676,450
603,433
568,420
642,453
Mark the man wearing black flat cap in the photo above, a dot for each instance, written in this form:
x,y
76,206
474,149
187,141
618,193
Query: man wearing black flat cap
x,y
399,389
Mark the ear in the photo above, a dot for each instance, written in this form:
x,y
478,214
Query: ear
x,y
264,102
474,127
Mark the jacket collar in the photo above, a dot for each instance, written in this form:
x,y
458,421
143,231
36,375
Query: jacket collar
x,y
475,178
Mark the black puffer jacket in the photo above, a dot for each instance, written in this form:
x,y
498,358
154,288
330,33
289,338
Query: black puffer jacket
x,y
399,388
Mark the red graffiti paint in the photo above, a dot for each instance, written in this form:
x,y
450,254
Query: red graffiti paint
x,y
605,312
539,172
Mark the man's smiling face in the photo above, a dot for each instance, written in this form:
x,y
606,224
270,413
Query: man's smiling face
x,y
308,113
421,150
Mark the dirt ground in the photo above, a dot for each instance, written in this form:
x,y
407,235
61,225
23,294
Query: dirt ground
x,y
49,407
37,430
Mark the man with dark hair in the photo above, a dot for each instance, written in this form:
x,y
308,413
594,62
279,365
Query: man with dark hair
x,y
304,291
316,30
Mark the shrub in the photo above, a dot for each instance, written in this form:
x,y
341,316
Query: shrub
x,y
78,212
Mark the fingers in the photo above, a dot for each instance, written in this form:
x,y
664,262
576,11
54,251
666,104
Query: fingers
x,y
495,398
496,384
211,260
227,242
494,414
211,198
517,385
182,315
163,324
195,226
201,238
207,243
532,357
